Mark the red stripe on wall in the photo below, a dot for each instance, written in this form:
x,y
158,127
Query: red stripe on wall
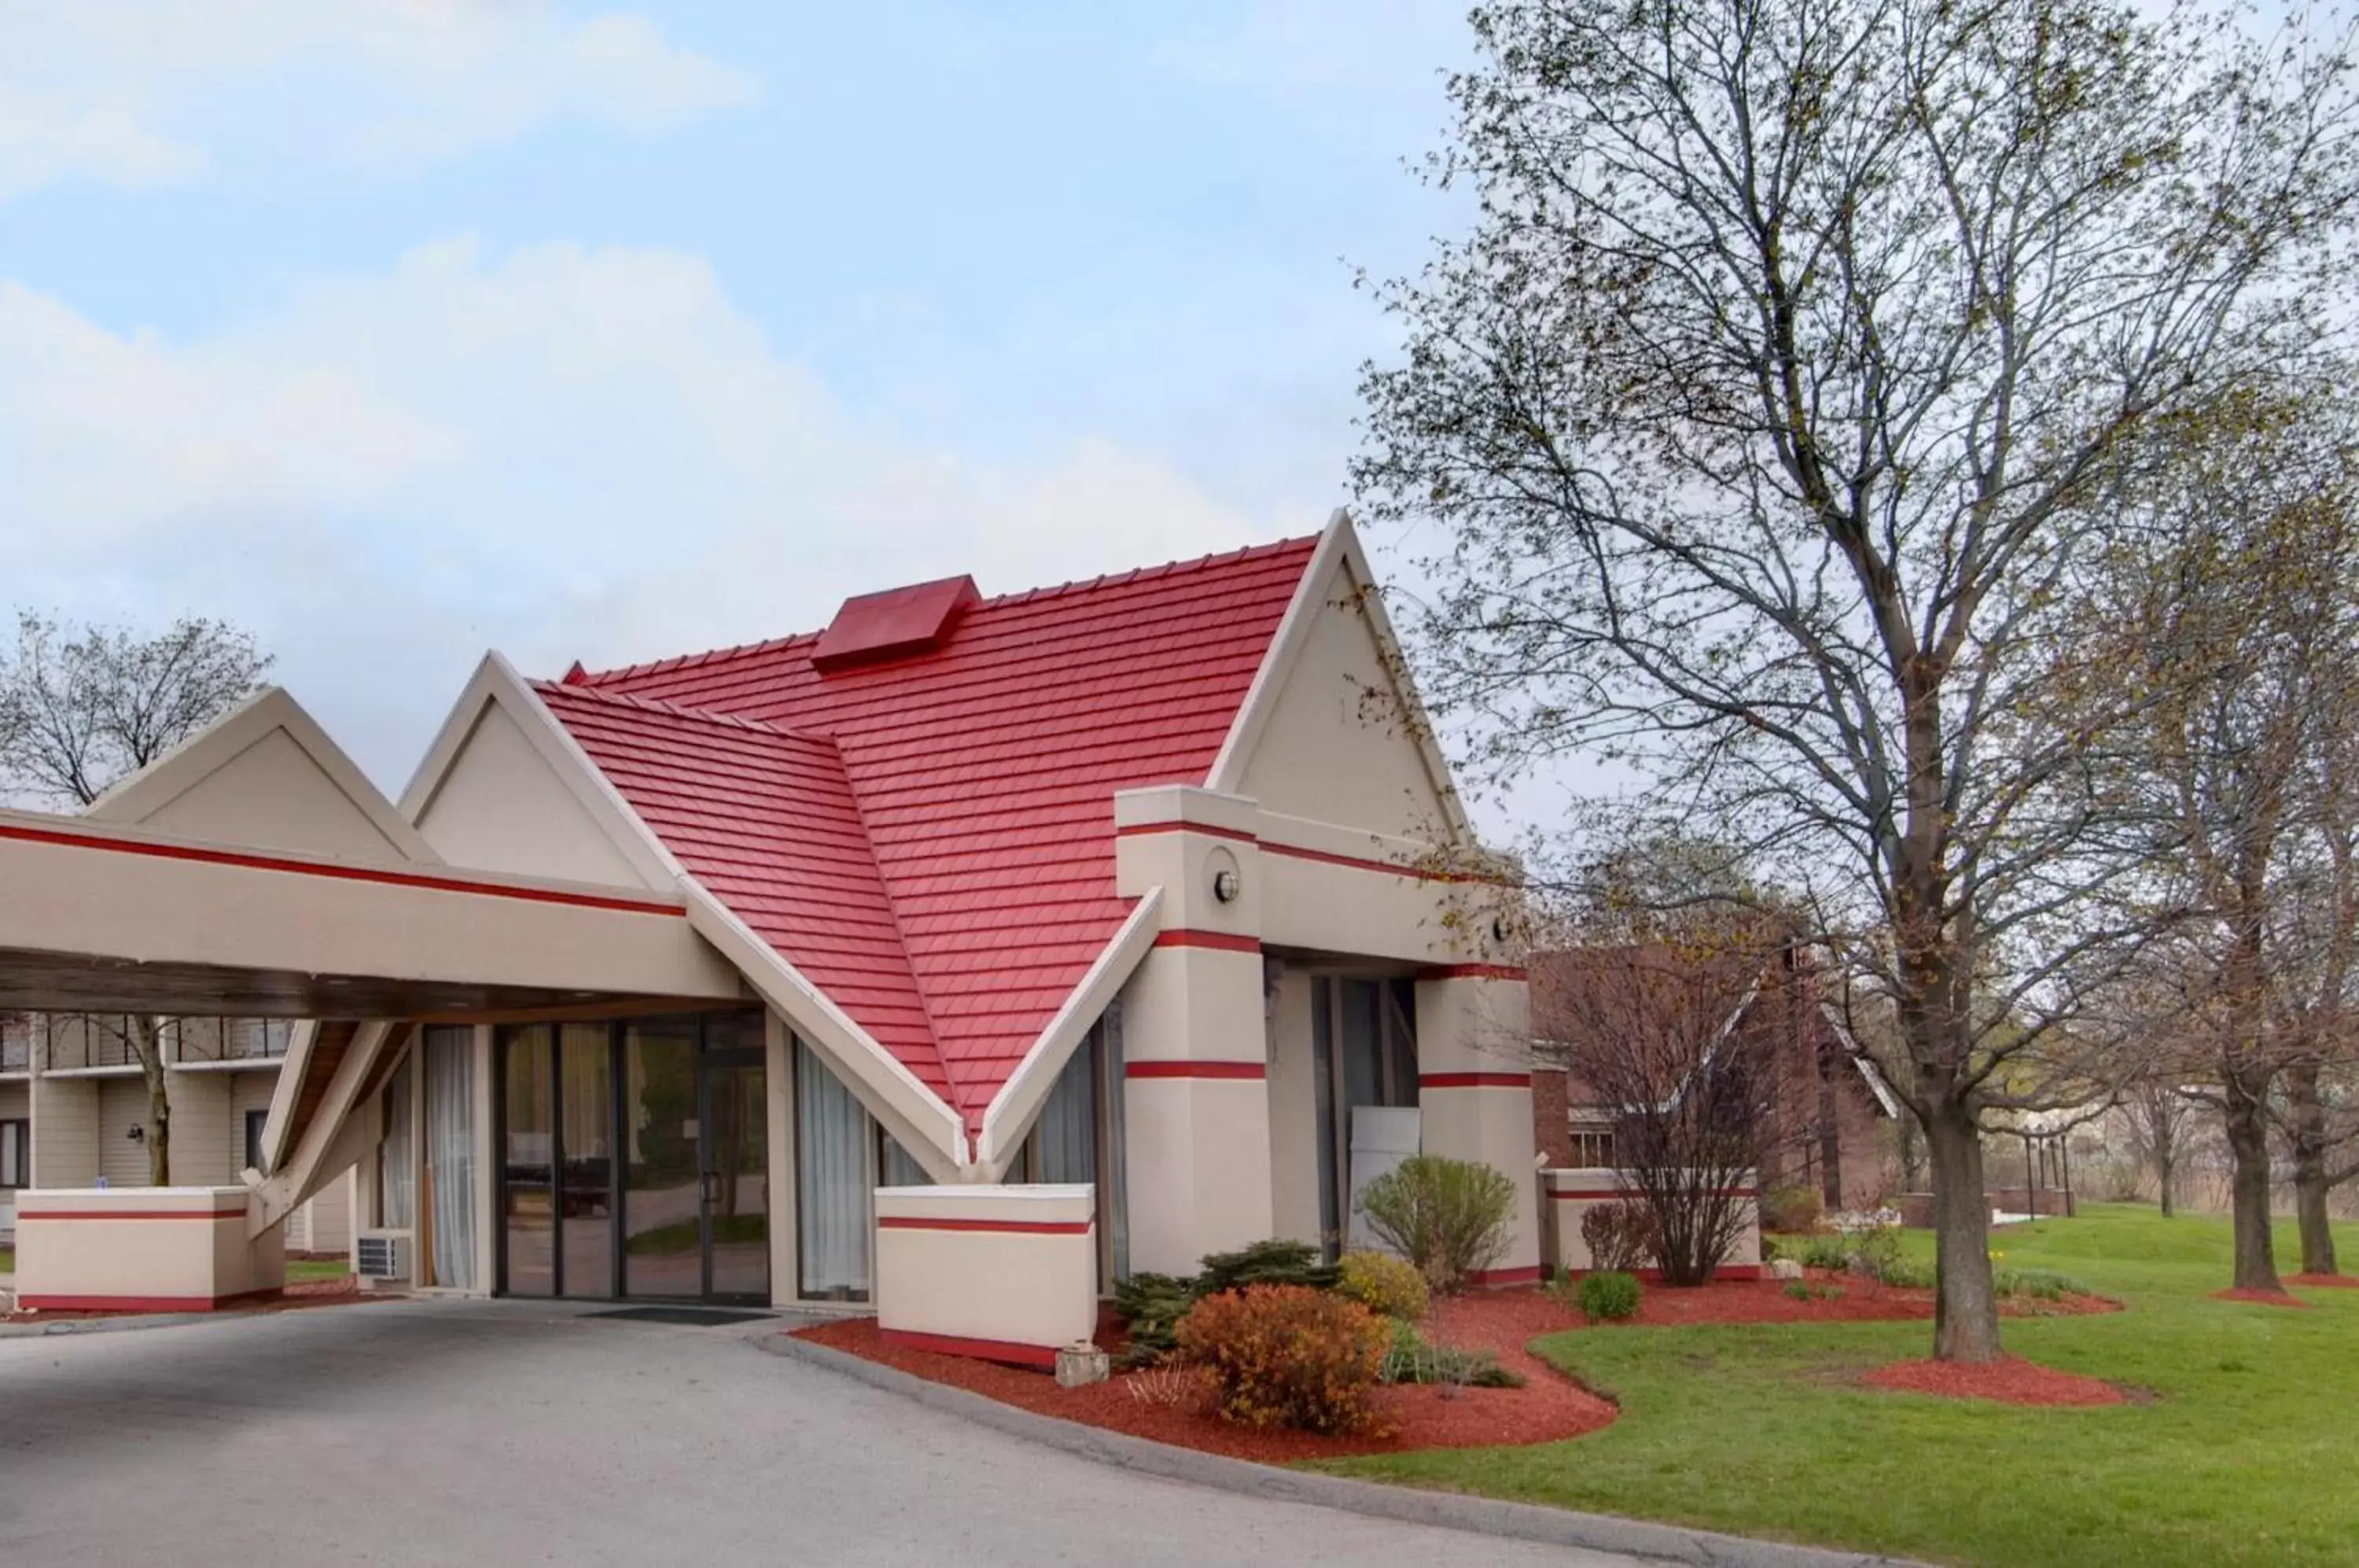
x,y
1222,941
974,1349
339,872
1194,1070
1004,1227
24,1214
1473,972
1474,1079
1139,830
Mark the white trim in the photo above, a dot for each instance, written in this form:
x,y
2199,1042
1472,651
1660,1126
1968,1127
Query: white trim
x,y
133,800
295,1179
1861,1060
496,682
829,1029
1338,550
1026,1089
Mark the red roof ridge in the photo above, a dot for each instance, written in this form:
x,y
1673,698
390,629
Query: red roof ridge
x,y
1022,596
571,691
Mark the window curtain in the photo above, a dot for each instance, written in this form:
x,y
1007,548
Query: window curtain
x,y
396,1166
1068,1128
834,1201
899,1167
450,1154
1113,1193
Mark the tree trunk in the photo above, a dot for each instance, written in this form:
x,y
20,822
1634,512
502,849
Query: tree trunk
x,y
2164,1125
2310,1184
1965,1305
2248,1149
147,1043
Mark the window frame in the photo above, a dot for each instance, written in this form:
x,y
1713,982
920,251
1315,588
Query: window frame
x,y
22,1177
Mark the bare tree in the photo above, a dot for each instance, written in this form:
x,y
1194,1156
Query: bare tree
x,y
1661,1035
2158,1110
1763,412
83,708
2231,597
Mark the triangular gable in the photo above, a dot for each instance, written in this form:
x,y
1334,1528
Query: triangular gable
x,y
502,790
266,775
1332,730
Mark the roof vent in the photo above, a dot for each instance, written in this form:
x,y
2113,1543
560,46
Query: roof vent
x,y
894,624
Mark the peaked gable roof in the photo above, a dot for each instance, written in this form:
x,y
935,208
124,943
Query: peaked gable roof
x,y
930,838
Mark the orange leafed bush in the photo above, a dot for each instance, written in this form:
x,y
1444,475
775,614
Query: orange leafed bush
x,y
1287,1356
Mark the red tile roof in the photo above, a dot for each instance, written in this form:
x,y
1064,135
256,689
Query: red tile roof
x,y
929,839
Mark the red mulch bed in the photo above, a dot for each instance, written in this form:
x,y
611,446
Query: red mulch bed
x,y
302,1294
2007,1381
2261,1298
1549,1408
2324,1282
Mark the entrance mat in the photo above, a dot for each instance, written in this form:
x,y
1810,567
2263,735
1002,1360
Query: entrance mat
x,y
688,1317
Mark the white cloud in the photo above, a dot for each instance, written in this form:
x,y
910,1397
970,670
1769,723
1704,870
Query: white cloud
x,y
562,451
135,94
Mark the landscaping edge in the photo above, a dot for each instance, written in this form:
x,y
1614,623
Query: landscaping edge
x,y
1447,1510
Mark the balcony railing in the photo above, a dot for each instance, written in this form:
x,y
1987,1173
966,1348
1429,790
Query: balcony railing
x,y
83,1042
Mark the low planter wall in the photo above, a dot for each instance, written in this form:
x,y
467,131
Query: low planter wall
x,y
1916,1208
1569,1194
1000,1273
165,1249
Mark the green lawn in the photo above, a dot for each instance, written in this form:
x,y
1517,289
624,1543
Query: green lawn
x,y
298,1269
2242,1454
8,1260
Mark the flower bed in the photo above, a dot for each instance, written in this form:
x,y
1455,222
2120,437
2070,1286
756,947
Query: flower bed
x,y
2007,1381
1547,1408
2260,1298
2324,1282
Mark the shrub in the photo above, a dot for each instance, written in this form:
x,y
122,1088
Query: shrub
x,y
1798,1289
1793,1209
1621,1237
1289,1355
1876,1254
1447,1217
1174,1385
1385,1285
1826,1252
1151,1306
1412,1360
1609,1297
2037,1283
1266,1263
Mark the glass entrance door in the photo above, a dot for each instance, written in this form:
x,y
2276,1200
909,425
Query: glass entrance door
x,y
636,1159
736,1179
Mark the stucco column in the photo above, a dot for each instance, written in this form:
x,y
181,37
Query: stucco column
x,y
1475,1089
1195,1034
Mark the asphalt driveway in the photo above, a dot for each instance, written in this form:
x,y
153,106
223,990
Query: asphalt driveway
x,y
445,1432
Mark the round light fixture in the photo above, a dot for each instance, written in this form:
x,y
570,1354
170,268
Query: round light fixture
x,y
1226,885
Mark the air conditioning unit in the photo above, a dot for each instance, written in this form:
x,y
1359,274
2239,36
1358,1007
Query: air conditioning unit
x,y
381,1255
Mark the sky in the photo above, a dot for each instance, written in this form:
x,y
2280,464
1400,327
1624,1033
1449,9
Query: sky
x,y
399,330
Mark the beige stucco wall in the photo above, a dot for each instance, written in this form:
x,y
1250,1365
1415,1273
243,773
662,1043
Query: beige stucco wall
x,y
502,808
1571,1194
197,911
274,793
1475,1091
1335,749
996,1268
1293,1112
162,1248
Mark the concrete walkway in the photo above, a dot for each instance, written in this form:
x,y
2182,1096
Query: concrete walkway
x,y
438,1433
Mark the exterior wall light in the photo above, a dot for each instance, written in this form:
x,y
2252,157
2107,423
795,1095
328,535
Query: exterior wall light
x,y
1226,885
